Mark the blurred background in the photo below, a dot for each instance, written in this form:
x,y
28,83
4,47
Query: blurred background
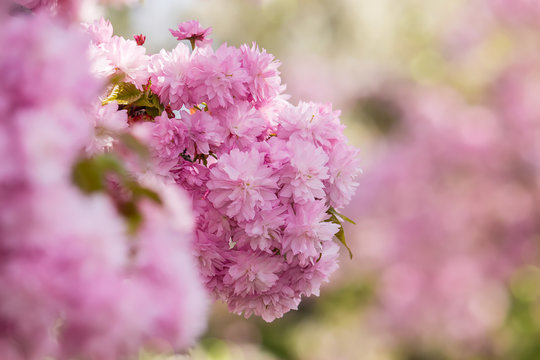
x,y
443,99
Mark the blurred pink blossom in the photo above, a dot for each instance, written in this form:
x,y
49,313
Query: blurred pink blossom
x,y
454,196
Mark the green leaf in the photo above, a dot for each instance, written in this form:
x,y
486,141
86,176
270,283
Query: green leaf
x,y
143,192
333,211
90,176
132,215
124,94
155,101
143,102
132,143
87,176
340,235
117,78
153,112
151,103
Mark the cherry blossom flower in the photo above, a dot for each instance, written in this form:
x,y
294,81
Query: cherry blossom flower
x,y
168,75
218,78
303,178
307,230
265,81
240,184
194,32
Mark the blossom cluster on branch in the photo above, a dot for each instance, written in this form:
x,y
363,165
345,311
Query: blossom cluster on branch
x,y
265,176
78,281
122,171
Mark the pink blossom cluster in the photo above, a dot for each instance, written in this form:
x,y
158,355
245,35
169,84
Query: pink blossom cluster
x,y
76,280
264,175
517,12
122,171
67,9
453,210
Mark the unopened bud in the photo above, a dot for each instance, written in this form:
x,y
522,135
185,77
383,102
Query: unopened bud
x,y
140,39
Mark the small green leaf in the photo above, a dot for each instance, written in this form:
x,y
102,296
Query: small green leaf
x,y
117,78
143,102
331,210
132,215
87,177
153,112
89,174
340,235
156,103
142,192
124,94
132,143
108,164
151,103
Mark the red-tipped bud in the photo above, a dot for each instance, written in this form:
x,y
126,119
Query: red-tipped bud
x,y
140,39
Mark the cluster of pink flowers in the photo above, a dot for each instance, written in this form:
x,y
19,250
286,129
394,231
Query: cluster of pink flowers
x,y
77,280
129,181
517,12
264,175
67,9
453,211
